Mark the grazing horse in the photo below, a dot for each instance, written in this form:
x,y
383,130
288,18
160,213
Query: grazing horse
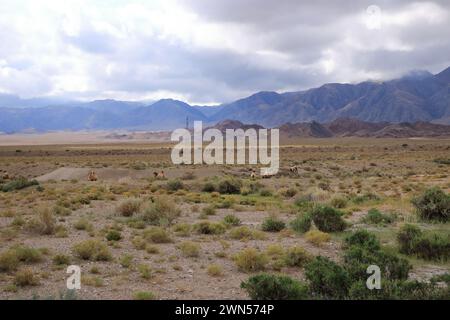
x,y
293,169
155,174
161,175
92,176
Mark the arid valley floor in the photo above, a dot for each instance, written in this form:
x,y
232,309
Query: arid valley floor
x,y
185,237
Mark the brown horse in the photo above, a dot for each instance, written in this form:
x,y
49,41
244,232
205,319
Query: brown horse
x,y
92,176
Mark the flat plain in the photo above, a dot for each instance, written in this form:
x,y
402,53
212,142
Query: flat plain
x,y
195,233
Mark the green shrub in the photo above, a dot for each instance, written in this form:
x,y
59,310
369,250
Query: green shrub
x,y
273,224
408,237
231,220
157,235
288,193
296,257
144,295
27,254
399,290
327,279
230,186
338,202
161,212
433,204
9,261
174,185
302,223
374,216
429,246
189,249
363,239
93,250
328,219
206,227
272,287
209,210
182,229
113,235
433,247
61,259
250,260
208,187
18,184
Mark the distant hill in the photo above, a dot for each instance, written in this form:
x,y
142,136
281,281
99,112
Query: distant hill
x,y
417,97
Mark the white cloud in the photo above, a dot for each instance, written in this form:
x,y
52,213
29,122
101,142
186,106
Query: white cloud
x,y
211,51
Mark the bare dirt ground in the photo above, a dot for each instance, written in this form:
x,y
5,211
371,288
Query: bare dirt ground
x,y
394,170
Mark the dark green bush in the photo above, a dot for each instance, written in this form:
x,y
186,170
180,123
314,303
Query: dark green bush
x,y
374,216
113,235
433,204
328,219
273,224
209,187
174,185
302,223
17,184
408,237
231,220
364,239
327,279
230,186
426,246
272,287
399,290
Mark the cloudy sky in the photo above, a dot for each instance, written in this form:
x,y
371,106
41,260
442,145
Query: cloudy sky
x,y
211,51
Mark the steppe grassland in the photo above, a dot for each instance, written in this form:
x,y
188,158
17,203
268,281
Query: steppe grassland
x,y
204,229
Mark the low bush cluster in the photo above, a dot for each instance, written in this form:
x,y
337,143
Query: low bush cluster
x,y
431,246
433,205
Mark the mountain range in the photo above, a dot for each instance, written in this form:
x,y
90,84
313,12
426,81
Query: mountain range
x,y
416,97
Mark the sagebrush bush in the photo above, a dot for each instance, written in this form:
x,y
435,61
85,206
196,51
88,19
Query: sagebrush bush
x,y
273,224
297,257
45,224
430,246
301,223
209,210
214,270
273,287
206,227
327,279
231,220
129,207
288,193
18,184
93,250
363,249
230,186
9,261
25,277
317,237
433,204
189,249
27,254
209,187
160,212
328,219
157,235
61,259
374,216
182,229
144,295
407,238
251,260
338,202
113,235
174,185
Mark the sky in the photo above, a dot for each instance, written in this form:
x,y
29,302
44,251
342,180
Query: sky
x,y
212,51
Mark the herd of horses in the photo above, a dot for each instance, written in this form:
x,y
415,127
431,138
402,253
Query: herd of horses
x,y
92,176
